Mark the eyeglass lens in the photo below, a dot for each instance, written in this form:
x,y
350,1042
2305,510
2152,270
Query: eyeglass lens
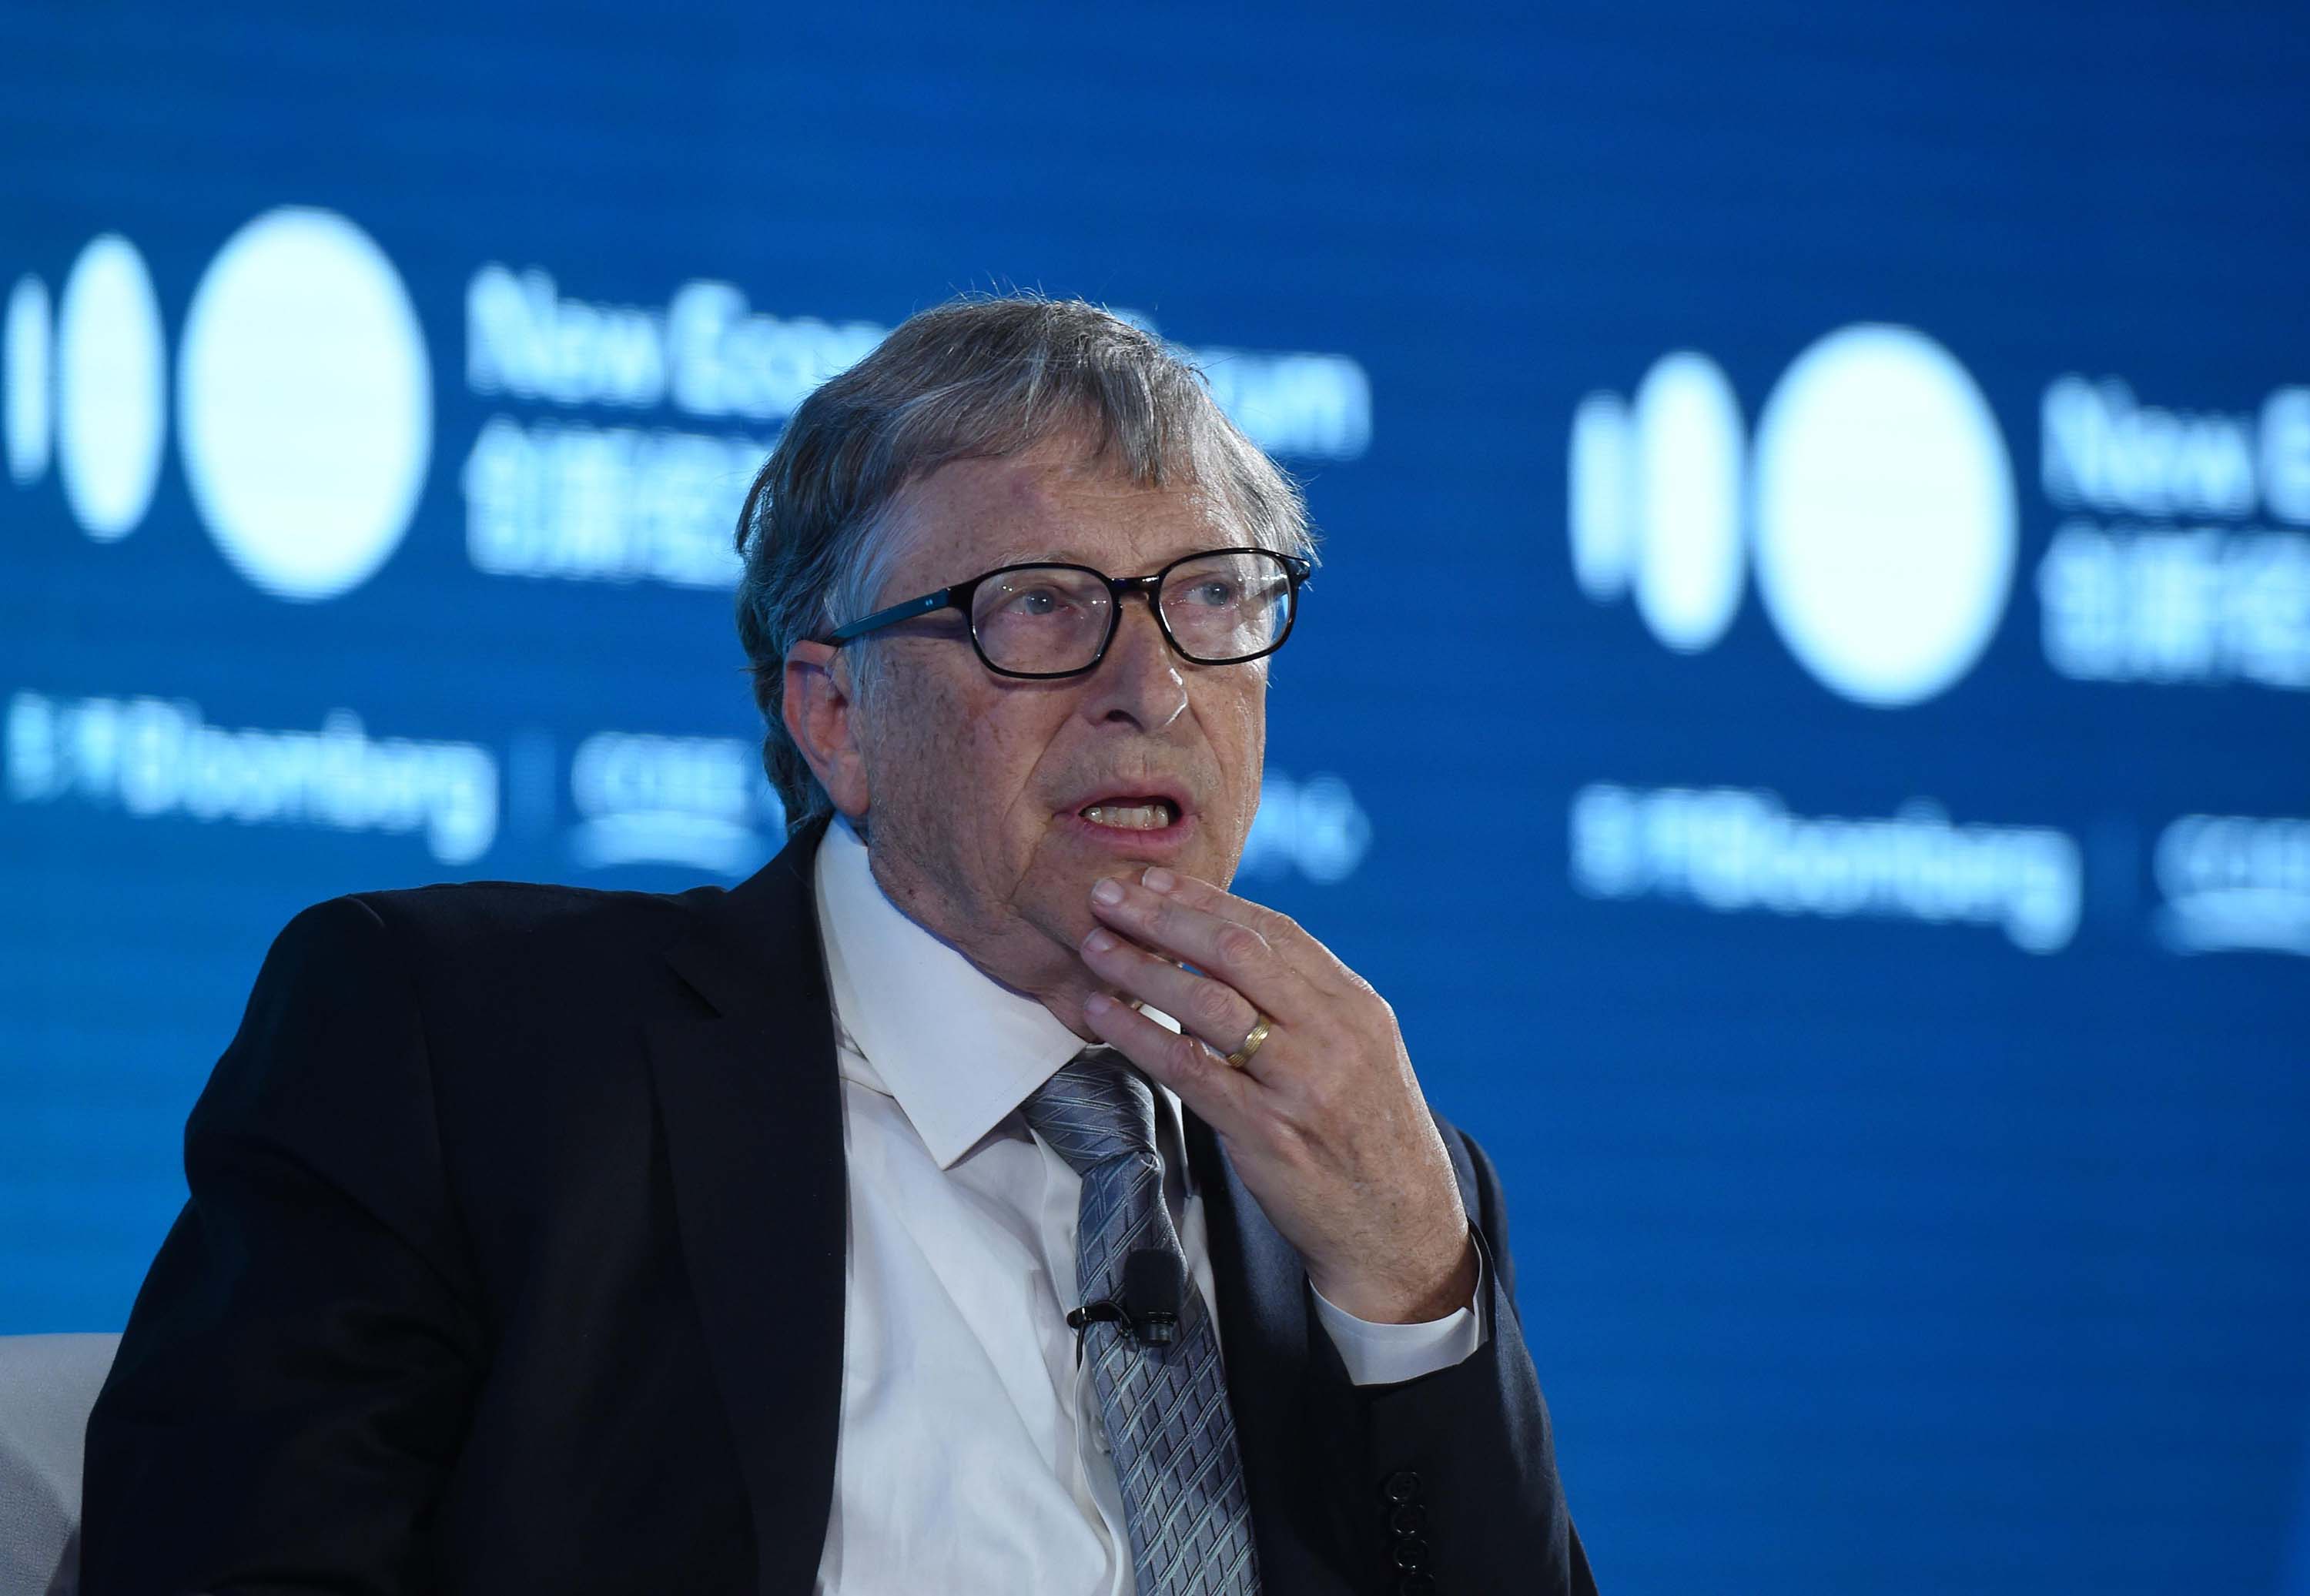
x,y
1052,620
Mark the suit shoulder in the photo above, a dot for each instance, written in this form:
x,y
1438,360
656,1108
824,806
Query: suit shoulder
x,y
531,956
511,936
478,910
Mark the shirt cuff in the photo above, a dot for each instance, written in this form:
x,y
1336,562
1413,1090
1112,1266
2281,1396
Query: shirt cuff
x,y
1388,1354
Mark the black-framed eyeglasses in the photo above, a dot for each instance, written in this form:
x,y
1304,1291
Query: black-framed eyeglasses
x,y
1220,607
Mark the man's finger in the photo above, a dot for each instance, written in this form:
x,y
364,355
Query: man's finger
x,y
1293,945
1229,950
1205,1083
1213,1009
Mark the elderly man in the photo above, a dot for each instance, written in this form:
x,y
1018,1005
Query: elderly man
x,y
979,1198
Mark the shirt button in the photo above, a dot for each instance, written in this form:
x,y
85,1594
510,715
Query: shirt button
x,y
1402,1486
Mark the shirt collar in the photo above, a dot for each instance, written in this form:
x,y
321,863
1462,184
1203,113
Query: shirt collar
x,y
958,1050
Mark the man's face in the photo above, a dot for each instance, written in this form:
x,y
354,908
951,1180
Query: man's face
x,y
996,803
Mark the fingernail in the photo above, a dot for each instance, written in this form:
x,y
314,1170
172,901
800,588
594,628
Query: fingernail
x,y
1108,891
1159,880
1098,1003
1100,942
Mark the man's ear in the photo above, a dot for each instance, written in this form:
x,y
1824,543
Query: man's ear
x,y
819,710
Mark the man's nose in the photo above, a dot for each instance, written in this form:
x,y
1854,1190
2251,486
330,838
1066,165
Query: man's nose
x,y
1139,682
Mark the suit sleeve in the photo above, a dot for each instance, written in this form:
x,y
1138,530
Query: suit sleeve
x,y
293,1383
1457,1490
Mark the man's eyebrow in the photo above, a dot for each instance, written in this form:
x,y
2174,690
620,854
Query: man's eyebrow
x,y
1033,554
1063,554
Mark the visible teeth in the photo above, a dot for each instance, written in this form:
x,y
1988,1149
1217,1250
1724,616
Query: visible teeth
x,y
1130,817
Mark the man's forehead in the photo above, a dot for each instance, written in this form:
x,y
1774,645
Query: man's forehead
x,y
1054,502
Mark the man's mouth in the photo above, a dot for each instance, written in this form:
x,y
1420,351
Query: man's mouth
x,y
1132,814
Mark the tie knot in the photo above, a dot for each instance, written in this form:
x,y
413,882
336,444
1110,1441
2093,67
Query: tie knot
x,y
1095,1108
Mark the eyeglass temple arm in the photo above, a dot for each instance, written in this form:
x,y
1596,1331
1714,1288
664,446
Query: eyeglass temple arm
x,y
895,614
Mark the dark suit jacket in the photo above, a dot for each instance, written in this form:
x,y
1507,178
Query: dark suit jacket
x,y
513,1261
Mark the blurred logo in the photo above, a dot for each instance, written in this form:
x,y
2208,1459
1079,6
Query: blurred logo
x,y
646,799
304,420
1877,506
1657,494
2165,568
1735,849
304,398
2235,881
695,390
305,403
1314,827
86,388
151,758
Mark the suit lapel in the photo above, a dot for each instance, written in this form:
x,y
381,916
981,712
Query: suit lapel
x,y
1262,1314
752,1113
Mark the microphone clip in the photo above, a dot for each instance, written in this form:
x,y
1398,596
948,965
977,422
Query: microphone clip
x,y
1154,1283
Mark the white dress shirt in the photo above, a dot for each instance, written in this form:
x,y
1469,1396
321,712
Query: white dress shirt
x,y
971,1456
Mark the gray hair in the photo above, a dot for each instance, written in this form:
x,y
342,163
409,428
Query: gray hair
x,y
975,379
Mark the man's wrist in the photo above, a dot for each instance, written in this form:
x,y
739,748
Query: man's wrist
x,y
1380,1353
1387,1303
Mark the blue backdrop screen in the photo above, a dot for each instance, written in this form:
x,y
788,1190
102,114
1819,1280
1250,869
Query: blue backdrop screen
x,y
1805,712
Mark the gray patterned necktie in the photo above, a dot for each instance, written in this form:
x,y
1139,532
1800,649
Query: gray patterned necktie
x,y
1164,1408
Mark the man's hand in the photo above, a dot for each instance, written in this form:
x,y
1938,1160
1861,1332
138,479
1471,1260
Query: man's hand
x,y
1325,1122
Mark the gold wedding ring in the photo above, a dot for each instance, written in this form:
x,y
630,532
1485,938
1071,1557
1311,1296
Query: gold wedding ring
x,y
1242,1056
